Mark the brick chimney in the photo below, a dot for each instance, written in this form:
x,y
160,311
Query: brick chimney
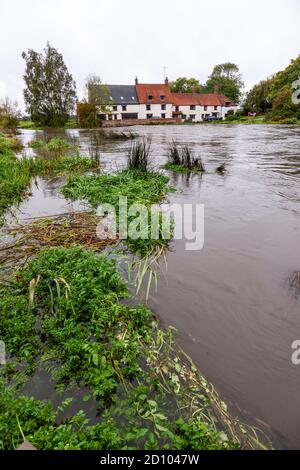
x,y
136,81
216,90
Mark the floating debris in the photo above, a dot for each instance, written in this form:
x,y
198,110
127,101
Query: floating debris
x,y
65,230
221,169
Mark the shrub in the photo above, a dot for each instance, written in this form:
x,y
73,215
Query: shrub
x,y
9,115
86,115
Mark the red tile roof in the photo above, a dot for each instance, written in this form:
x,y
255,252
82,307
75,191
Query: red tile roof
x,y
145,90
185,99
203,99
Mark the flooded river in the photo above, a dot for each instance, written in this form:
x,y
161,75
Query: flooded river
x,y
232,303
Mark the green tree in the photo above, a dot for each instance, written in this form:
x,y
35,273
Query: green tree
x,y
9,114
50,93
185,85
98,94
227,80
258,98
282,91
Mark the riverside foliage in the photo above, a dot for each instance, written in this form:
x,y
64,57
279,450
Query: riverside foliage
x,y
87,337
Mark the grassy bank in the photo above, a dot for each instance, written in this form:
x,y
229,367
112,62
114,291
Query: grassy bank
x,y
261,119
15,174
150,395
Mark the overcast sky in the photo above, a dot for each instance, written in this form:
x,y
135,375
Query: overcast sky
x,y
118,39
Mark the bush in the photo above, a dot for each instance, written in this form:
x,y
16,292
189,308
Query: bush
x,y
292,120
9,115
86,115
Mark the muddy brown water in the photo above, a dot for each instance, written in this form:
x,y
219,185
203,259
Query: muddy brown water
x,y
231,302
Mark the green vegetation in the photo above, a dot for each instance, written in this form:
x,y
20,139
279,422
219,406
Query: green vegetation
x,y
9,114
50,92
186,85
27,124
143,188
259,119
181,159
227,80
138,157
53,144
224,79
15,174
87,115
71,124
63,165
274,96
64,313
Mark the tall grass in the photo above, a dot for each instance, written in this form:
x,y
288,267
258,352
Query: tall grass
x,y
15,174
139,156
181,158
174,154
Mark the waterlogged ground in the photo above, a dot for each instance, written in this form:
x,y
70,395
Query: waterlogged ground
x,y
232,303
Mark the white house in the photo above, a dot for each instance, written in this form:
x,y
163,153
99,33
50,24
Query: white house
x,y
144,101
197,107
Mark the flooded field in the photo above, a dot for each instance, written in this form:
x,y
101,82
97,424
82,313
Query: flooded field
x,y
232,303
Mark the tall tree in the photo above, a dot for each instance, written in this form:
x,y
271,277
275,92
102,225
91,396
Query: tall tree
x,y
227,80
258,98
50,92
186,85
282,91
97,93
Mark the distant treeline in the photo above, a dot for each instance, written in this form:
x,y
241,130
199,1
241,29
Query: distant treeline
x,y
278,96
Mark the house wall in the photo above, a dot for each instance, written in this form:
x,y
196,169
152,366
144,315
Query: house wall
x,y
130,108
155,110
199,111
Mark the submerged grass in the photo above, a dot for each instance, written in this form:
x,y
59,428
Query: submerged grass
x,y
146,188
65,310
51,144
15,174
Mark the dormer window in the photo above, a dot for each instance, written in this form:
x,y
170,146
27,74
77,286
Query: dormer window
x,y
150,97
162,97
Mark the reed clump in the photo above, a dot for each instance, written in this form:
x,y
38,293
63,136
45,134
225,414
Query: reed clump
x,y
139,156
182,159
